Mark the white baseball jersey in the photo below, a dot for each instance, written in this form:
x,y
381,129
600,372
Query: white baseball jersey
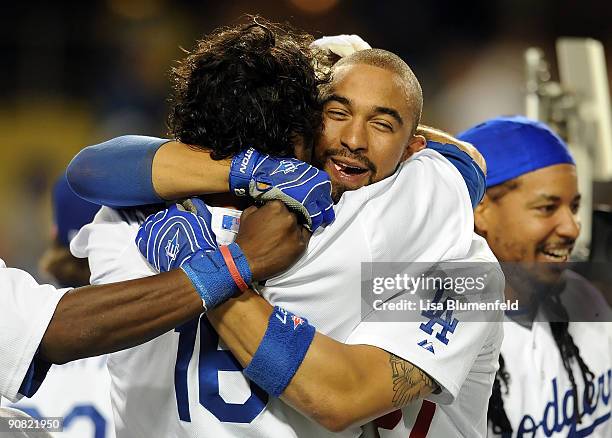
x,y
185,383
25,311
539,402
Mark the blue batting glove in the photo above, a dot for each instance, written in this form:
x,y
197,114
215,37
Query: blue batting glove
x,y
305,189
169,237
182,236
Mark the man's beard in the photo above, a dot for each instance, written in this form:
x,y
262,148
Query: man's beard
x,y
337,191
534,282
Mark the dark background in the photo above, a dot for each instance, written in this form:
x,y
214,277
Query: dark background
x,y
75,73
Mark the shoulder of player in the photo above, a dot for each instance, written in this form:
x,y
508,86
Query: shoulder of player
x,y
425,171
432,161
109,225
426,176
132,215
13,277
425,154
583,300
480,251
20,287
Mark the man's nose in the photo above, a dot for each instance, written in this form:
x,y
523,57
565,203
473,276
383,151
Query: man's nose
x,y
354,136
569,224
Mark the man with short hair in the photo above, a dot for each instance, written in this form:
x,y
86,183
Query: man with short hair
x,y
556,355
357,157
368,137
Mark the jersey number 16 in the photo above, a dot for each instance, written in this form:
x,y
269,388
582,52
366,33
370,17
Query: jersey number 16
x,y
211,361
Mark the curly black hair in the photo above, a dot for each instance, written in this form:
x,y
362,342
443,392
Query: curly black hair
x,y
247,85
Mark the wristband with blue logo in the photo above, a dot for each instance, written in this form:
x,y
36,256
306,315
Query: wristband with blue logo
x,y
280,352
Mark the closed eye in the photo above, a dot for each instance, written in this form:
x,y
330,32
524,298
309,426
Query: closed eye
x,y
383,126
336,114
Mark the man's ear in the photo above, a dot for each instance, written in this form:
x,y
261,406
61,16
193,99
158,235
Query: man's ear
x,y
481,216
416,143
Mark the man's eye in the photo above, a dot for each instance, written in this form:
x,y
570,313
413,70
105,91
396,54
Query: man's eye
x,y
575,207
384,126
335,113
547,209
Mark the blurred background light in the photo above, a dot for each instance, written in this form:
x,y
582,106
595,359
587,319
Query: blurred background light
x,y
136,9
77,73
314,6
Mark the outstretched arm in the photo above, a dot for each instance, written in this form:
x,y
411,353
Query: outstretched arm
x,y
137,170
94,320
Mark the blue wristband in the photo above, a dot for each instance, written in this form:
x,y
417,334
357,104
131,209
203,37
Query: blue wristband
x,y
241,171
211,277
280,352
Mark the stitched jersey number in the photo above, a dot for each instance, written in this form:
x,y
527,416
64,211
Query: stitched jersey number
x,y
211,362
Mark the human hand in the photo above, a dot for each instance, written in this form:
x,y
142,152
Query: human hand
x,y
169,237
271,239
303,188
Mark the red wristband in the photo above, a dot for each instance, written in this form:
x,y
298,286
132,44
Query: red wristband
x,y
233,270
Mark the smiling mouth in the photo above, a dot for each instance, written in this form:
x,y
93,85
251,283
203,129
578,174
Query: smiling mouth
x,y
557,254
350,169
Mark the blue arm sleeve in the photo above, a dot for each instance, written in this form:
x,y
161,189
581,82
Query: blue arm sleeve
x,y
117,172
472,174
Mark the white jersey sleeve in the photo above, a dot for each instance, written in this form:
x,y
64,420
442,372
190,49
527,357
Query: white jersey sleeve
x,y
421,213
447,345
108,244
27,307
448,364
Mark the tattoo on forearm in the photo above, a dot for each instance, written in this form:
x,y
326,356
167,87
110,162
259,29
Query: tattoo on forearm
x,y
409,382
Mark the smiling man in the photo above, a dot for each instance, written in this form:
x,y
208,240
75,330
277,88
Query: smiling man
x,y
362,128
530,210
346,371
557,373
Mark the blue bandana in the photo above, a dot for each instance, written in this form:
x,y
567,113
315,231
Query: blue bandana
x,y
515,145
